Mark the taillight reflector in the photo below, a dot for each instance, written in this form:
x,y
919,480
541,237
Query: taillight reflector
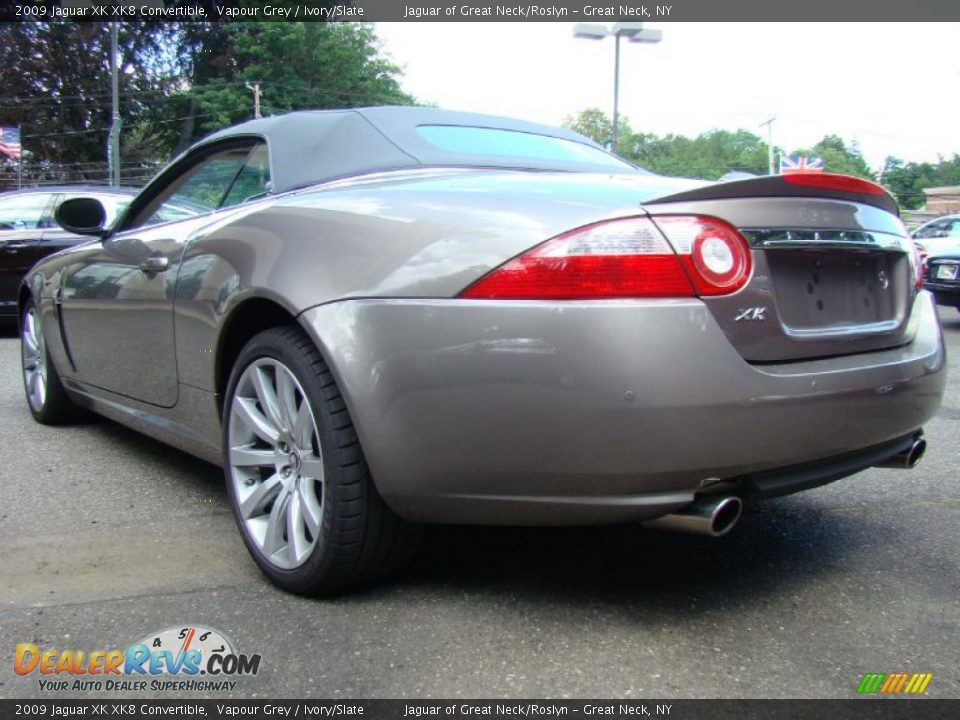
x,y
919,265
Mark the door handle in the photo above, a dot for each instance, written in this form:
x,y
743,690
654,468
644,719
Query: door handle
x,y
154,264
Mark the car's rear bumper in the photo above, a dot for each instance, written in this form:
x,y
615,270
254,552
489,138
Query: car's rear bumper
x,y
554,412
945,293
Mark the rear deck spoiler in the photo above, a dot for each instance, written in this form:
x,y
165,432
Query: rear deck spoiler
x,y
816,185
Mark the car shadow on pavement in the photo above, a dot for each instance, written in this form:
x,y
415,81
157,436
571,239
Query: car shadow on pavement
x,y
770,552
776,545
949,321
180,467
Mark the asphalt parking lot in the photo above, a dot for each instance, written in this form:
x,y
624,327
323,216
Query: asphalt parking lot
x,y
107,536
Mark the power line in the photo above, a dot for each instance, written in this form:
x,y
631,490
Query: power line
x,y
107,129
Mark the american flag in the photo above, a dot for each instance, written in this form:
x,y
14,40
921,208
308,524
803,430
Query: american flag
x,y
10,142
800,164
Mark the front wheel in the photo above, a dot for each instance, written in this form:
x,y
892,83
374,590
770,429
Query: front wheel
x,y
298,483
47,399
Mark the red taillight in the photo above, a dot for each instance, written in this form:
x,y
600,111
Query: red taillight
x,y
622,259
716,256
919,264
830,181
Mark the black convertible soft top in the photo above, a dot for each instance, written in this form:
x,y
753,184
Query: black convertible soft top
x,y
315,146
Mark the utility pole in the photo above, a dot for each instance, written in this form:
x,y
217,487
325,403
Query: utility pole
x,y
769,124
256,98
113,148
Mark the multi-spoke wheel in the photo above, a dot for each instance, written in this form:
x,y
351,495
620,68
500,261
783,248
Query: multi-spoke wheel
x,y
276,463
48,401
300,488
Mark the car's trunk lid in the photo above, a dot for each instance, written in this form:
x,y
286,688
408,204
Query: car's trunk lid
x,y
833,271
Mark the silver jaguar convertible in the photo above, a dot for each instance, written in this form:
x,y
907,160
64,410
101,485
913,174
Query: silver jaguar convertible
x,y
383,317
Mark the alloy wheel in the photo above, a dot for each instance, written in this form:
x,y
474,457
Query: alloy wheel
x,y
275,462
34,354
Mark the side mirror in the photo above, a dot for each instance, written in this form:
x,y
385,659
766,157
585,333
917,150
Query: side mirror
x,y
81,216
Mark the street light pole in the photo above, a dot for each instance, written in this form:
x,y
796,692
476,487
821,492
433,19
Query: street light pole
x,y
634,32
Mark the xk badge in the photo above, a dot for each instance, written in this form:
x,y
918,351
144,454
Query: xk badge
x,y
754,313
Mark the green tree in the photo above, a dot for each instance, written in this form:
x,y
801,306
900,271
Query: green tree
x,y
592,122
298,65
57,87
178,82
907,180
838,157
709,155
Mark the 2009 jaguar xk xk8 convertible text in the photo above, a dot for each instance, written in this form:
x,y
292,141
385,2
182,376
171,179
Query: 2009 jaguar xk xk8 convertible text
x,y
389,316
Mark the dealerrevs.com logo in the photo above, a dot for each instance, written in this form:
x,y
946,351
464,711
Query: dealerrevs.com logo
x,y
186,658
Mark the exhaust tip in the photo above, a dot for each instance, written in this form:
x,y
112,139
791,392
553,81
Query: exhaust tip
x,y
916,452
725,516
712,515
908,458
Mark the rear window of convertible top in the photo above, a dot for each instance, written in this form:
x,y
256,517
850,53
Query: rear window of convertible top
x,y
513,143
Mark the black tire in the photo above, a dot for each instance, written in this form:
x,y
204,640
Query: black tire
x,y
360,538
54,406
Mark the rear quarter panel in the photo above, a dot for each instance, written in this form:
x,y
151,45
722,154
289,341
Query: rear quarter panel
x,y
426,237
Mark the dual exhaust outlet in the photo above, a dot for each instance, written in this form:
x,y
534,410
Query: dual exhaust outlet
x,y
716,515
713,515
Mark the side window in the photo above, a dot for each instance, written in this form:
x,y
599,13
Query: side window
x,y
933,229
220,179
201,188
253,179
24,212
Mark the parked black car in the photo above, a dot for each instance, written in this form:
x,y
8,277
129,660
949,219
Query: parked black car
x,y
28,232
942,278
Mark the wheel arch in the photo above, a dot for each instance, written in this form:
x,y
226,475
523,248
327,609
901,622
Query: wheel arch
x,y
249,318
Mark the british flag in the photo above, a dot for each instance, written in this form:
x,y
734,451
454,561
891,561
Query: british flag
x,y
800,164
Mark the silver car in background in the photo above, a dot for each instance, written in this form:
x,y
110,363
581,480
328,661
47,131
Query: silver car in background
x,y
390,316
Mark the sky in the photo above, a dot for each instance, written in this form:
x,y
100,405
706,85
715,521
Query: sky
x,y
892,87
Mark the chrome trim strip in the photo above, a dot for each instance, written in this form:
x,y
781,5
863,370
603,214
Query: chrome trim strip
x,y
862,330
777,238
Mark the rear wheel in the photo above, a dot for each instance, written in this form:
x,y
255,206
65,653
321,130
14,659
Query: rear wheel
x,y
300,488
47,399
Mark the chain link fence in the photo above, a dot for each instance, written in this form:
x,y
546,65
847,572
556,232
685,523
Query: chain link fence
x,y
15,175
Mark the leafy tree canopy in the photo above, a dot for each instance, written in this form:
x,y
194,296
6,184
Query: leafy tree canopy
x,y
57,86
712,154
178,83
907,180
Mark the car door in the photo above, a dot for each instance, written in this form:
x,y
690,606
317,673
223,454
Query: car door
x,y
117,298
23,218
